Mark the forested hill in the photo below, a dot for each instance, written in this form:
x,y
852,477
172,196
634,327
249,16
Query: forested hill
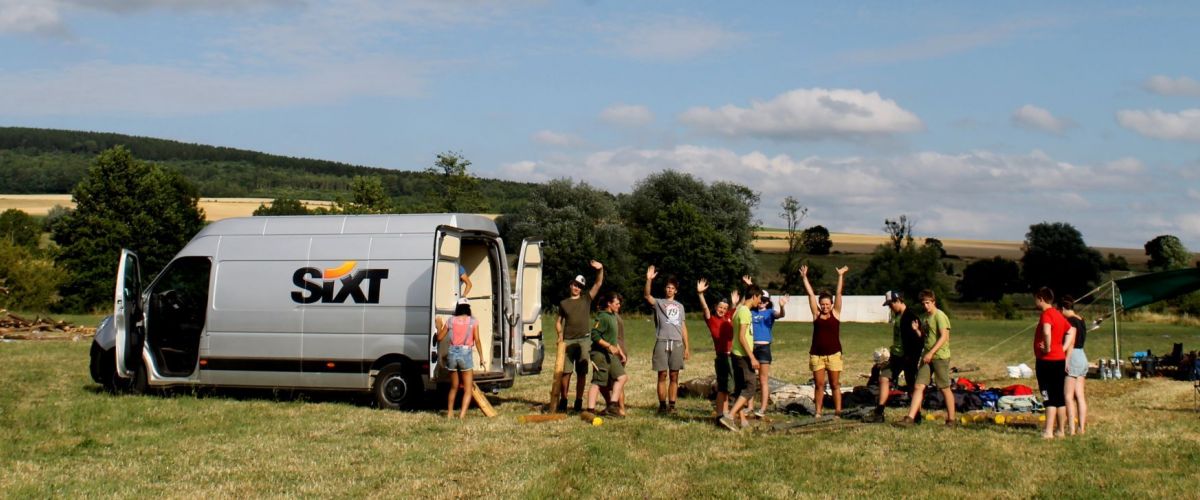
x,y
53,161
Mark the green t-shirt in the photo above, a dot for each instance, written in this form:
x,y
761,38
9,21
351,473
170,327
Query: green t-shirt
x,y
605,329
931,324
742,317
576,312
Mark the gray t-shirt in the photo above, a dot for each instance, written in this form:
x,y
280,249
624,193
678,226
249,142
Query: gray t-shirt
x,y
668,319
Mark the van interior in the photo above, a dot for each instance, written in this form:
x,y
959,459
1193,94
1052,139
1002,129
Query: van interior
x,y
481,258
175,315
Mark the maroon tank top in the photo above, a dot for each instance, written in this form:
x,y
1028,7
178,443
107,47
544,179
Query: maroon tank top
x,y
827,336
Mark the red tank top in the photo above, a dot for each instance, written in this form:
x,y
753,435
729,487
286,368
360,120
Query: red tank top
x,y
462,331
827,336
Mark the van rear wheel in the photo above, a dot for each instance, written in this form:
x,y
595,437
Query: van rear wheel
x,y
397,388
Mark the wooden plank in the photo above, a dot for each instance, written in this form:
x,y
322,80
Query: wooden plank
x,y
556,381
482,401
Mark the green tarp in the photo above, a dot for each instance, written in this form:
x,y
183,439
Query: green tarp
x,y
1150,288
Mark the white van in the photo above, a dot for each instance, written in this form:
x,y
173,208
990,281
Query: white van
x,y
323,302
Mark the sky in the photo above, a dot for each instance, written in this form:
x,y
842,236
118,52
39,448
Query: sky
x,y
974,119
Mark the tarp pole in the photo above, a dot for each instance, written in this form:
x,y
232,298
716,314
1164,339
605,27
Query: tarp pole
x,y
1116,329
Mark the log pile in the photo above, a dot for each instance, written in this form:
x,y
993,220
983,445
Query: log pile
x,y
14,327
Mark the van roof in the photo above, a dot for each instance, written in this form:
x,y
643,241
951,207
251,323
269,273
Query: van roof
x,y
348,224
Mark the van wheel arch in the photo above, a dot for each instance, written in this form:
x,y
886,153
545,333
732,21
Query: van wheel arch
x,y
398,386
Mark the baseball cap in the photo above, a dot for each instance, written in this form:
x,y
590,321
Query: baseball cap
x,y
766,295
891,296
580,281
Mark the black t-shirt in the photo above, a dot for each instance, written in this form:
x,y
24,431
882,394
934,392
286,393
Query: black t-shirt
x,y
1080,330
914,345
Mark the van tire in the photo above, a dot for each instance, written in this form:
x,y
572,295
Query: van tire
x,y
397,388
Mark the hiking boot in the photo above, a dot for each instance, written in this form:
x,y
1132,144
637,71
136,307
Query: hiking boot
x,y
906,422
561,407
578,405
727,422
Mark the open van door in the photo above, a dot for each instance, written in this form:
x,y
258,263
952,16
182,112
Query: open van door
x,y
127,315
529,307
445,286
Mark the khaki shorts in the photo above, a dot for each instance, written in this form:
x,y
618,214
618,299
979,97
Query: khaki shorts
x,y
608,368
832,362
940,369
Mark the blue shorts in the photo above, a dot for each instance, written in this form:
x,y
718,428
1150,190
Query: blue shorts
x,y
762,353
460,358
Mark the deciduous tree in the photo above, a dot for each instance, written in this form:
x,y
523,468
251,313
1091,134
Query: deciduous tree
x,y
122,203
1056,257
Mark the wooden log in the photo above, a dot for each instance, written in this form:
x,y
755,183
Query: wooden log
x,y
482,402
540,418
590,417
556,382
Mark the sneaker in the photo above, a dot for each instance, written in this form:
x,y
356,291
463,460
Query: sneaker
x,y
578,405
873,418
758,414
727,422
906,422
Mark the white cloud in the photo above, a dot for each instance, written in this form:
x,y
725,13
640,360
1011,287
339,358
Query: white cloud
x,y
807,114
127,89
944,45
1156,124
1033,117
628,115
561,139
975,194
1167,86
31,17
670,39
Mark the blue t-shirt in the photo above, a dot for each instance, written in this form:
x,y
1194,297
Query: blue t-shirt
x,y
763,321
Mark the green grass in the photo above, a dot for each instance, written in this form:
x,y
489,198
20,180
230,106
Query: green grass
x,y
63,437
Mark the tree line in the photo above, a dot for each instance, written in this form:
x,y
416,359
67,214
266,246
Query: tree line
x,y
36,161
686,227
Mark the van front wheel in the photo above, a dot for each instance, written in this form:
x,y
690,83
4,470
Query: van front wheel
x,y
397,389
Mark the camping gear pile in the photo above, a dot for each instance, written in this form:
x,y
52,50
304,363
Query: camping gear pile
x,y
14,327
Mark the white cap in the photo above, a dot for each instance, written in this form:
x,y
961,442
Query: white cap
x,y
766,295
580,281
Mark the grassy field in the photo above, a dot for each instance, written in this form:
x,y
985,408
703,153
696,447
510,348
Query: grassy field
x,y
63,437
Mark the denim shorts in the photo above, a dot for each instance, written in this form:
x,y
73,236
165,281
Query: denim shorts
x,y
460,358
762,353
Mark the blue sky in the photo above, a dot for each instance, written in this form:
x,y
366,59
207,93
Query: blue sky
x,y
976,120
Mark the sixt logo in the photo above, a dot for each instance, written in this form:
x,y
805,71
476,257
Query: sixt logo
x,y
323,291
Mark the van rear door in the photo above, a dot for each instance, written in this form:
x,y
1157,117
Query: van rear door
x,y
448,246
529,306
127,314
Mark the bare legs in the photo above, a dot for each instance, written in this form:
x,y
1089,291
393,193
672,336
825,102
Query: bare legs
x,y
834,385
1072,409
764,373
464,380
1081,403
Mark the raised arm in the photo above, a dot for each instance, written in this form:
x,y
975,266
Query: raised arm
x,y
812,297
837,300
779,313
734,300
650,275
466,281
599,279
701,287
